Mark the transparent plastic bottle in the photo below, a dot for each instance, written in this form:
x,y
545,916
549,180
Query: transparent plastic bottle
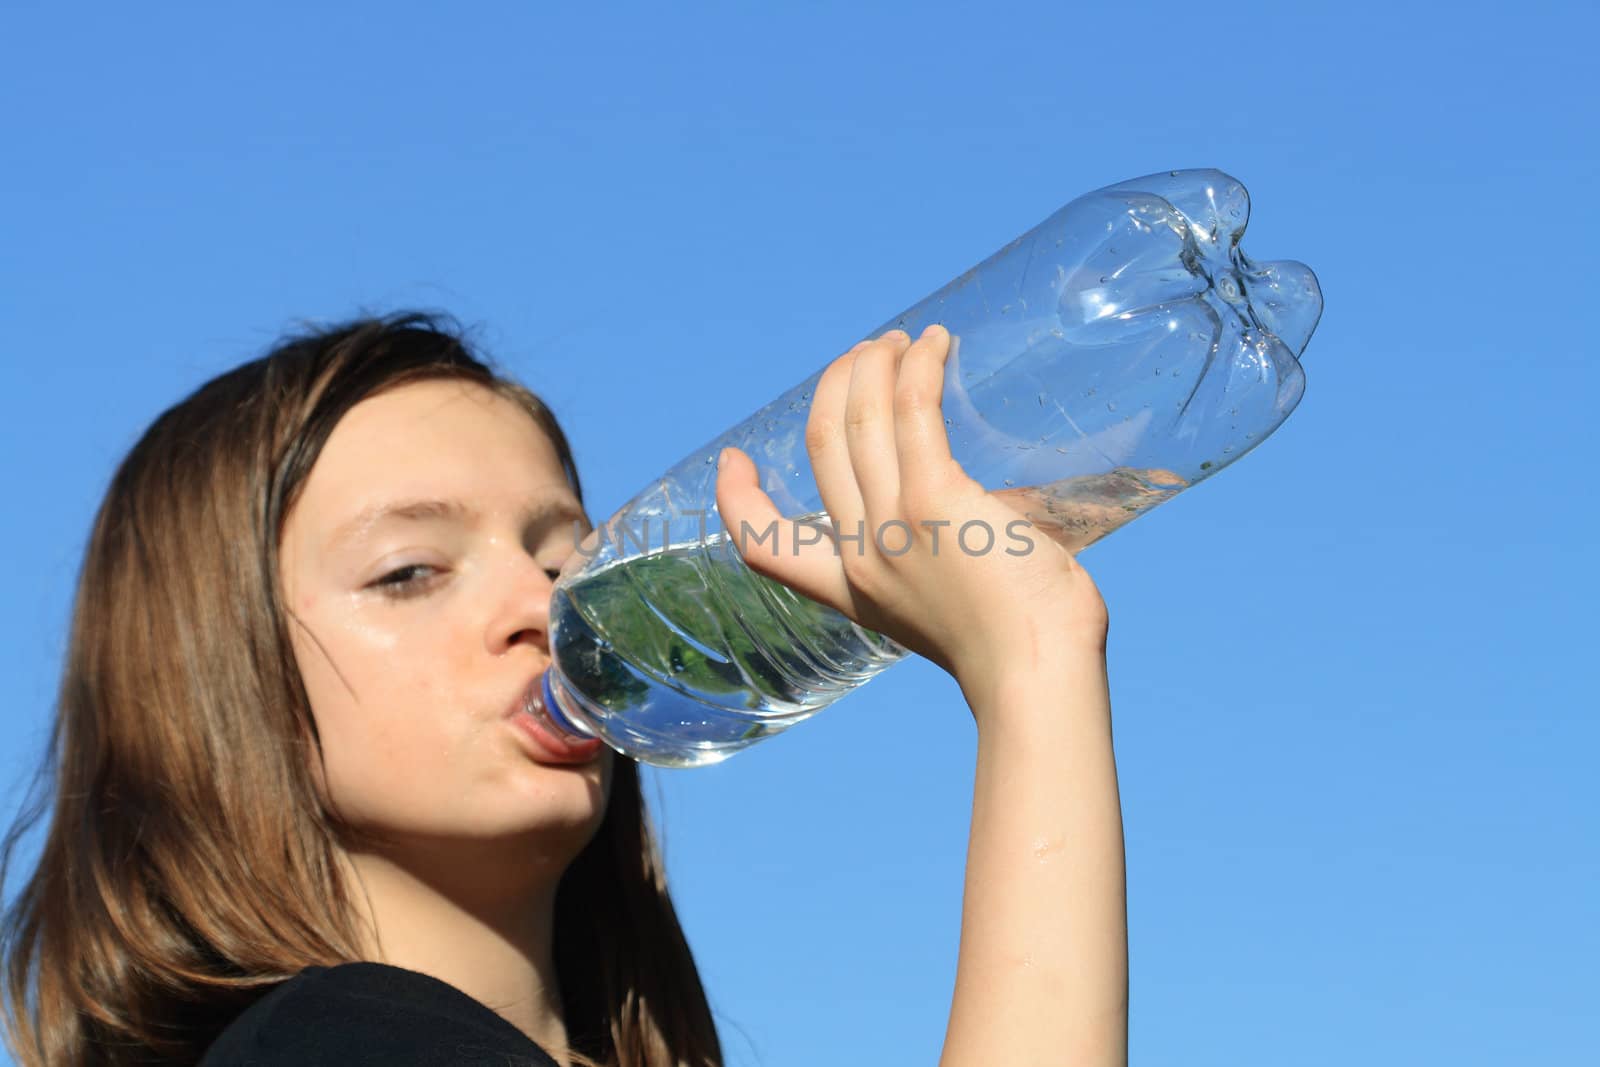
x,y
1119,352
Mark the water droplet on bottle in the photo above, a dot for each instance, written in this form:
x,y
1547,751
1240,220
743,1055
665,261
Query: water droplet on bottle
x,y
1088,392
1172,174
1009,483
711,459
1041,400
1103,279
1111,405
1227,448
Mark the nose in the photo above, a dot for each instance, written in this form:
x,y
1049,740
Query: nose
x,y
521,615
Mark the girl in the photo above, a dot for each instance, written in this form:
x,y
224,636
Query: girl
x,y
306,808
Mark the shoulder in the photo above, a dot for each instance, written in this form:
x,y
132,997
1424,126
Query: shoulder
x,y
370,1013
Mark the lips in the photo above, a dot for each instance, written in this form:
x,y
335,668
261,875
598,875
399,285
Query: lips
x,y
550,744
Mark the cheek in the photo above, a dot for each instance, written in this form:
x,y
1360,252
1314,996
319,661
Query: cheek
x,y
382,767
377,711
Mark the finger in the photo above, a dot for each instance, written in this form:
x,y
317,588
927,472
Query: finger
x,y
921,440
825,444
802,558
869,426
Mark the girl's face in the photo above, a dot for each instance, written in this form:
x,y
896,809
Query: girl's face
x,y
417,567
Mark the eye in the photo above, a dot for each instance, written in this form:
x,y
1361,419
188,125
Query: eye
x,y
557,557
406,581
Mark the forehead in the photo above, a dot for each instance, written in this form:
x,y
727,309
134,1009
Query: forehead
x,y
431,438
432,415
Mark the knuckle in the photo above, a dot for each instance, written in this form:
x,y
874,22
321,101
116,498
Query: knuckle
x,y
820,433
862,572
927,499
919,500
912,397
859,416
930,489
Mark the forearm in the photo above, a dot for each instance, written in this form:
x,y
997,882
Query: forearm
x,y
1042,976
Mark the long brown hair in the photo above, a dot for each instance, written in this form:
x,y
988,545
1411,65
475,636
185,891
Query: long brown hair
x,y
189,864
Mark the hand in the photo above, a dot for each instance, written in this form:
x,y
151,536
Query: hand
x,y
1000,600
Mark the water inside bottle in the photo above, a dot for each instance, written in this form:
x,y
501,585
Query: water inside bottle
x,y
1077,512
683,655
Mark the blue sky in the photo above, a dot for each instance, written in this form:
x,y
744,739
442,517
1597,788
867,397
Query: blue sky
x,y
1355,750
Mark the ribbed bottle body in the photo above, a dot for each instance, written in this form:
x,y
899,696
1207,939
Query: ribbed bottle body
x,y
1118,353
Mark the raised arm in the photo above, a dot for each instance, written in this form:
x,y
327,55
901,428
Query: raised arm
x,y
1043,971
1042,976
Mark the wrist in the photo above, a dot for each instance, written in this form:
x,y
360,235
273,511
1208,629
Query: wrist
x,y
1068,682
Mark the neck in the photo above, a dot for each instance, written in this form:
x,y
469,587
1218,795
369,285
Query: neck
x,y
470,920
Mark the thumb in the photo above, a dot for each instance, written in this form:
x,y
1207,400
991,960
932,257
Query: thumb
x,y
794,554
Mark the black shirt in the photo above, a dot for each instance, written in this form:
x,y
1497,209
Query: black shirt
x,y
371,1013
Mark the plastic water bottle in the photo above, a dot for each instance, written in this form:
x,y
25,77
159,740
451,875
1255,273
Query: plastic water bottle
x,y
1119,352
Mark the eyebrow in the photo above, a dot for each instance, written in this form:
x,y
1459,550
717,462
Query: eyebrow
x,y
368,519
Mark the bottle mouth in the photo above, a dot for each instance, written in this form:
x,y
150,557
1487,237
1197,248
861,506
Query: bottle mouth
x,y
554,713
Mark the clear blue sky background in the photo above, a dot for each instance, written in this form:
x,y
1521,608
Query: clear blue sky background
x,y
1352,677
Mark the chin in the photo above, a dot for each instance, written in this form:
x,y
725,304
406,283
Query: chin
x,y
560,799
